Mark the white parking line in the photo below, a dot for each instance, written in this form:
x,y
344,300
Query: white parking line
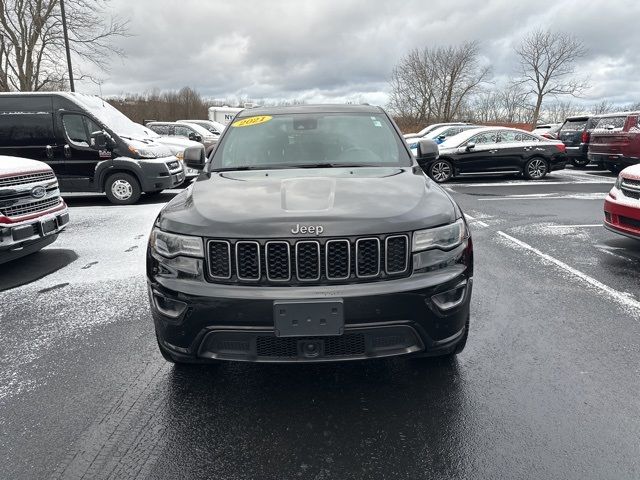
x,y
575,226
518,183
547,196
479,222
624,299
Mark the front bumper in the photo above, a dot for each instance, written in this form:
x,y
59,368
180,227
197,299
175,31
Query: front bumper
x,y
157,174
18,239
381,319
622,218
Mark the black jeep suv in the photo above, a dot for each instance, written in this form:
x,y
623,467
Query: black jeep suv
x,y
311,235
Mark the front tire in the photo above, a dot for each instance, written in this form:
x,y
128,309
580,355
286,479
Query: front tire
x,y
441,171
122,189
536,169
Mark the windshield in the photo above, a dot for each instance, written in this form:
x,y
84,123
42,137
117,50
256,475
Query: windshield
x,y
611,123
308,140
112,118
457,140
199,129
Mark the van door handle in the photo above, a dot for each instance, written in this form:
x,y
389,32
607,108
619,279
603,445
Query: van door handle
x,y
493,151
67,151
49,150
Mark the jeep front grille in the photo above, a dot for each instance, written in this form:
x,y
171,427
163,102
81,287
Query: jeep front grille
x,y
302,262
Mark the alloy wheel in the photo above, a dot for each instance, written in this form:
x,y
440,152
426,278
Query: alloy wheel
x,y
441,171
537,168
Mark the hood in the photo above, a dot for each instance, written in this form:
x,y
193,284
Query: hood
x,y
177,144
344,201
10,166
632,172
149,147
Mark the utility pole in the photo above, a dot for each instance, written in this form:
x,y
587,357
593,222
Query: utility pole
x,y
66,45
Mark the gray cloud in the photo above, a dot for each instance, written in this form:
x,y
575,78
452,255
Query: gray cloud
x,y
341,49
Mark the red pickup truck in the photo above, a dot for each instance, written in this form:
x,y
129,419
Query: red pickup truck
x,y
32,213
615,141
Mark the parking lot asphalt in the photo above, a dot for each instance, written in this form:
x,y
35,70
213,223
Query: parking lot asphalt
x,y
547,387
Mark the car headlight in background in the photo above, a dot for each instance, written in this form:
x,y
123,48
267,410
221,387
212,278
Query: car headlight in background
x,y
618,183
444,238
171,245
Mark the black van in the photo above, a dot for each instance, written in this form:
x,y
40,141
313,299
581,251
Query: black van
x,y
57,128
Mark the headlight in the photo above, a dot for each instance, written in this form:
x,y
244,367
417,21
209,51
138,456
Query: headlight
x,y
142,152
171,245
444,238
618,183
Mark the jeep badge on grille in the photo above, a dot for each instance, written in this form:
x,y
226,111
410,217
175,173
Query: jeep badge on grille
x,y
310,229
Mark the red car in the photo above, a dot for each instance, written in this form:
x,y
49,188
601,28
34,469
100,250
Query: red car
x,y
622,205
615,141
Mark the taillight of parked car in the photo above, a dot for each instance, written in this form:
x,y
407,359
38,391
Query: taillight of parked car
x,y
561,147
585,137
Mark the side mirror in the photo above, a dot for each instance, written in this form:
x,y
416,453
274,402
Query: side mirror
x,y
194,157
101,140
441,137
470,146
427,151
194,137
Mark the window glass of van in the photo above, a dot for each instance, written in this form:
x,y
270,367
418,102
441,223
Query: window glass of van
x,y
26,129
79,128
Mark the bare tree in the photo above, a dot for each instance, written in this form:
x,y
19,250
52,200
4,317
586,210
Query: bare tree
x,y
433,84
558,112
514,102
32,46
547,65
603,106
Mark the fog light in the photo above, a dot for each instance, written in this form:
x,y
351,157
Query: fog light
x,y
167,306
451,298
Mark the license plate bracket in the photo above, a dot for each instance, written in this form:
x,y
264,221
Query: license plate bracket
x,y
308,318
47,226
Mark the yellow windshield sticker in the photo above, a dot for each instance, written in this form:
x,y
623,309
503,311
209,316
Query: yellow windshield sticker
x,y
251,121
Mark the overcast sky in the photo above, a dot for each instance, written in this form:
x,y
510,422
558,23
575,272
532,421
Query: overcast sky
x,y
337,50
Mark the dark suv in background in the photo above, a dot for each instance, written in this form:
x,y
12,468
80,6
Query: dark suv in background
x,y
575,133
615,141
311,235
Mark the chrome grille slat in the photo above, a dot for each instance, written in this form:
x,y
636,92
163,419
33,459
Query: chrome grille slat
x,y
248,260
395,253
310,267
365,258
277,256
27,178
31,207
309,261
332,264
219,259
